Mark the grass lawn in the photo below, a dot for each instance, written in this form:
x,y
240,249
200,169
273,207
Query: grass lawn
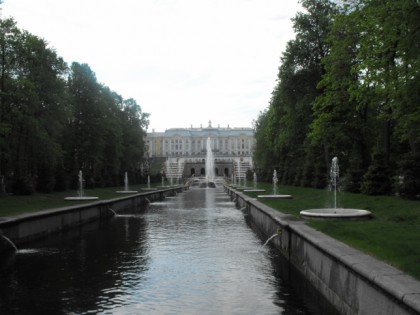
x,y
392,235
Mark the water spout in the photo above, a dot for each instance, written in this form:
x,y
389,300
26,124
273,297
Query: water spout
x,y
269,239
112,211
9,241
254,180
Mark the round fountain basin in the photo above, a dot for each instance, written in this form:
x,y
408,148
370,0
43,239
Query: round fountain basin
x,y
81,198
126,191
275,196
254,190
332,213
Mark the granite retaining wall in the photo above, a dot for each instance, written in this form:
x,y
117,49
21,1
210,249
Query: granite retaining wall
x,y
353,282
36,225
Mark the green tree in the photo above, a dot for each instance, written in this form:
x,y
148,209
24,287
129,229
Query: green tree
x,y
9,37
341,123
87,130
105,137
264,153
377,180
370,88
31,88
291,105
135,124
55,122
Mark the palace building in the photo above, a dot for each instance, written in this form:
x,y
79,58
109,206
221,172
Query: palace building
x,y
230,146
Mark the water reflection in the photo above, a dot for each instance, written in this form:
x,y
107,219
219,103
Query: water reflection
x,y
193,254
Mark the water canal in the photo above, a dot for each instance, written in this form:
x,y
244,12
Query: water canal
x,y
191,254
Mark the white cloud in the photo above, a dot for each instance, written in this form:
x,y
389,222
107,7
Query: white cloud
x,y
184,61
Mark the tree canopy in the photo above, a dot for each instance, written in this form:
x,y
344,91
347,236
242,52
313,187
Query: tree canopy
x,y
348,86
56,120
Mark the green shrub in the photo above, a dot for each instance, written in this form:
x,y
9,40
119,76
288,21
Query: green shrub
x,y
23,186
377,180
408,184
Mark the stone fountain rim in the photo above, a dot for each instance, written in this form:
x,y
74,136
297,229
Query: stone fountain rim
x,y
335,213
81,198
126,191
275,196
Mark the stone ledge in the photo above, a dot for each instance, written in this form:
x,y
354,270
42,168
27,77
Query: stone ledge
x,y
387,280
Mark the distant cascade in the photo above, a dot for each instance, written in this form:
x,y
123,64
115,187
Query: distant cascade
x,y
209,162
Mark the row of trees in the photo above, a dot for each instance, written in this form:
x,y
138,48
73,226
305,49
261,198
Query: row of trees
x,y
348,86
56,120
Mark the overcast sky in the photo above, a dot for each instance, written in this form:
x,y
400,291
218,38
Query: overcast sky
x,y
184,61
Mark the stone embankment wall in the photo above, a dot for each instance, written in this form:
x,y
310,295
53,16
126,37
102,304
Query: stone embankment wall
x,y
40,224
353,282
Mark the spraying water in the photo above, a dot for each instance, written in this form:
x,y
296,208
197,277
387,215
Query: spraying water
x,y
126,181
112,211
275,181
334,175
254,180
269,239
80,191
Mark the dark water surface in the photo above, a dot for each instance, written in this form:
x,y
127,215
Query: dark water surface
x,y
192,254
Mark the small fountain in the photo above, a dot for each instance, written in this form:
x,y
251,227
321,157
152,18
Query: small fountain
x,y
81,196
126,189
148,185
254,180
335,213
163,182
209,180
275,195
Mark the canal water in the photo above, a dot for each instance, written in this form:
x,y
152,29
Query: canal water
x,y
190,254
